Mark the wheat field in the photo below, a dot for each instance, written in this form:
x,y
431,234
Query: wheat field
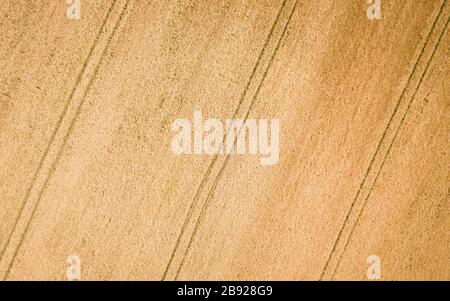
x,y
87,105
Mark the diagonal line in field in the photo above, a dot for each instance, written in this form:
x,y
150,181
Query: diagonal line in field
x,y
58,126
369,169
214,160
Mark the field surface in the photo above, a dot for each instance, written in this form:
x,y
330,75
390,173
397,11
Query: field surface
x,y
87,169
